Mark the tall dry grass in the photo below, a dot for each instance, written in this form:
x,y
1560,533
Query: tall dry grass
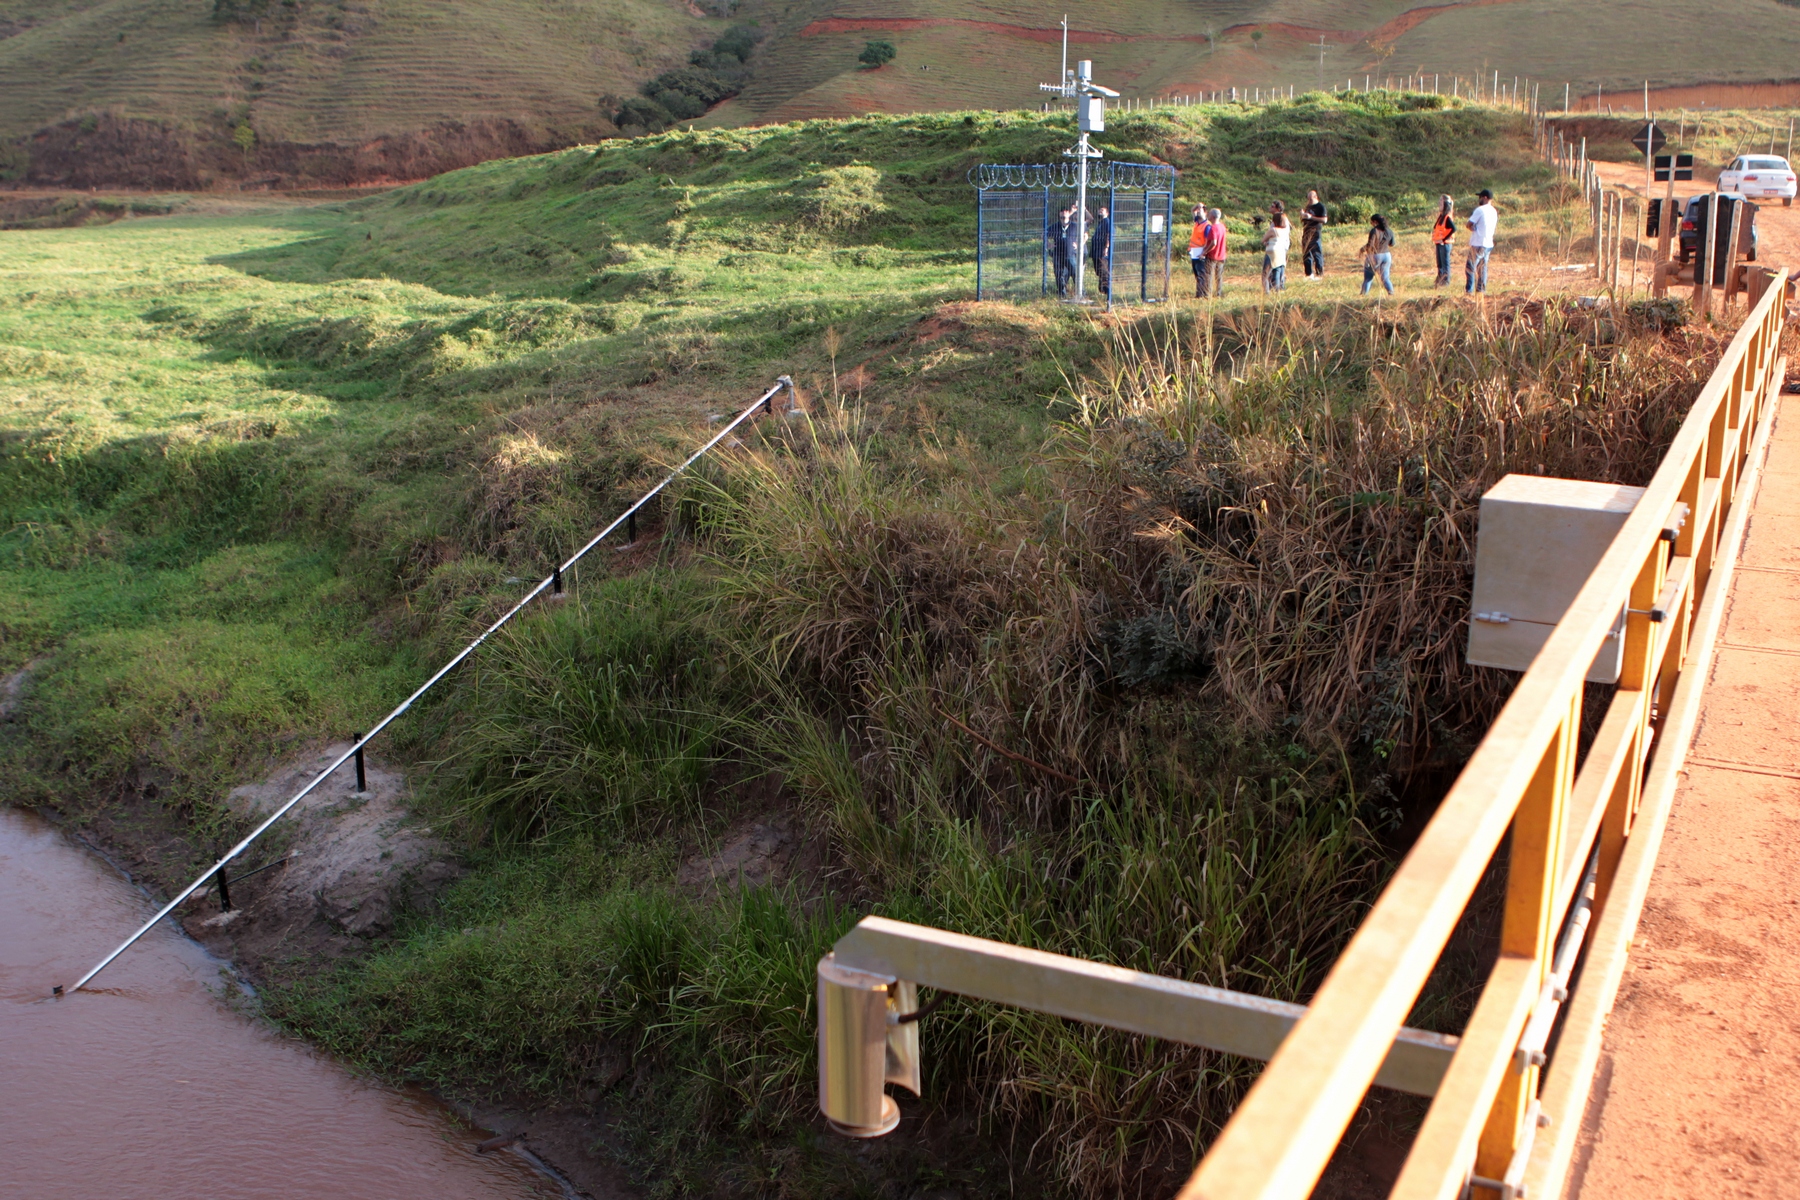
x,y
1146,701
1313,480
1145,706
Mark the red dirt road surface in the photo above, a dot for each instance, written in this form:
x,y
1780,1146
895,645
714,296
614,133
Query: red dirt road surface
x,y
1698,1090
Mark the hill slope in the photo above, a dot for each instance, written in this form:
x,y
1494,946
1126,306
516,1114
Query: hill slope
x,y
98,81
152,93
994,54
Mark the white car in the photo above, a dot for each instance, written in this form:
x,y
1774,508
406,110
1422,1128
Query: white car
x,y
1760,175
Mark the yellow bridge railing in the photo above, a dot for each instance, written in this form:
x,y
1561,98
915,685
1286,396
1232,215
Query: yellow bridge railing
x,y
1505,1109
1504,1117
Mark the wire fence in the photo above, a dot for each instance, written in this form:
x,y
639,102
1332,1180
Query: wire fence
x,y
552,583
1018,209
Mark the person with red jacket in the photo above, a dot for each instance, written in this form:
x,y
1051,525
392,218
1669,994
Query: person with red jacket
x,y
1443,230
1215,252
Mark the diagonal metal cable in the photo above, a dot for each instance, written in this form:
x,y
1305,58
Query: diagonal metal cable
x,y
764,401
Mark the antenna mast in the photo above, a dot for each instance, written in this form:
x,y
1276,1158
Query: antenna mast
x,y
1090,117
1064,73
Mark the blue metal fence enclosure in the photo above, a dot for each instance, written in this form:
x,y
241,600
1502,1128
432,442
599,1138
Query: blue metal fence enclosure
x,y
1016,210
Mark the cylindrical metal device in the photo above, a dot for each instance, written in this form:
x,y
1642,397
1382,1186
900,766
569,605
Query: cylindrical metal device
x,y
853,1051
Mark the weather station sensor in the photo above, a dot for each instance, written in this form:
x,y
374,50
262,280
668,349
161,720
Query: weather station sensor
x,y
1090,114
1090,117
1537,542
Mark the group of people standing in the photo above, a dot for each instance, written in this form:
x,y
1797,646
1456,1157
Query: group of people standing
x,y
1063,244
1208,245
1209,242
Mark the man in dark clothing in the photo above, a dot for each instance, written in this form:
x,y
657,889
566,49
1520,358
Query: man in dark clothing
x,y
1312,225
1100,251
1061,247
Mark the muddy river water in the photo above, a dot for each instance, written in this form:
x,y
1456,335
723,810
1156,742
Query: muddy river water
x,y
148,1086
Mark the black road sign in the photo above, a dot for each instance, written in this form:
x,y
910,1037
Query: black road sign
x,y
1682,163
1649,139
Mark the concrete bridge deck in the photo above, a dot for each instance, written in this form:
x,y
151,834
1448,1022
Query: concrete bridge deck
x,y
1698,1090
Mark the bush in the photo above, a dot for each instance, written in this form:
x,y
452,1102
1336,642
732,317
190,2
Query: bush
x,y
680,105
877,54
643,114
1356,210
841,198
738,41
15,163
702,84
687,92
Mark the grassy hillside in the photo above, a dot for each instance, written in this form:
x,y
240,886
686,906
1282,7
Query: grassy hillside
x,y
153,92
326,73
995,54
726,213
259,473
321,70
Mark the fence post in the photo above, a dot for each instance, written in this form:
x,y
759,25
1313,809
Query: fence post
x,y
980,242
1528,929
1112,233
1169,241
1043,248
1144,252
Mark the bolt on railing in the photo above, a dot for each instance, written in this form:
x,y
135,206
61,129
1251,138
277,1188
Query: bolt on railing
x,y
552,582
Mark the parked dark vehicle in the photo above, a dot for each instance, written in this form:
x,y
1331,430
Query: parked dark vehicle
x,y
1692,215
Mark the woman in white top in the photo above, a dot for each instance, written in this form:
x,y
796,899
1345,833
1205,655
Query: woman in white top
x,y
1276,239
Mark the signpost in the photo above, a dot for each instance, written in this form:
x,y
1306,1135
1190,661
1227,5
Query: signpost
x,y
1648,140
1681,164
1668,169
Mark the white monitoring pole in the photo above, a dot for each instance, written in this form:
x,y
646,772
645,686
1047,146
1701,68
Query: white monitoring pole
x,y
1063,73
1090,117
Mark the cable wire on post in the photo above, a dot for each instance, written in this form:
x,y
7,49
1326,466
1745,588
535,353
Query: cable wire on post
x,y
763,403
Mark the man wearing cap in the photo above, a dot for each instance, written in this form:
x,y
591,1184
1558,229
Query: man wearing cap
x,y
1481,243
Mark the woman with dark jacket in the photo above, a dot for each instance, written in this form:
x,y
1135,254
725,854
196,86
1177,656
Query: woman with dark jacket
x,y
1378,255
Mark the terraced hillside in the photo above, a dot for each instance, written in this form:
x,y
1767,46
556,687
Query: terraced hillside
x,y
156,93
994,54
153,91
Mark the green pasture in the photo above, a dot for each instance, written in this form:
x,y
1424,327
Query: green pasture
x,y
260,472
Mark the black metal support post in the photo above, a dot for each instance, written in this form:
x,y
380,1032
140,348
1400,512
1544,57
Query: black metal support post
x,y
362,783
631,527
224,890
556,580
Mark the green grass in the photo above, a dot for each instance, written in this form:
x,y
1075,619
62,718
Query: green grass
x,y
259,473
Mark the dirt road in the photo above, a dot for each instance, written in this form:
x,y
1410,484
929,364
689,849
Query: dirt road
x,y
1695,1094
1778,228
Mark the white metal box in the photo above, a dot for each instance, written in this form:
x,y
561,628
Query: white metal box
x,y
1538,541
1090,114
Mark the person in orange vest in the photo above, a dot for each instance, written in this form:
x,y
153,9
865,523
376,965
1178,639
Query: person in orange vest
x,y
1197,251
1442,231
